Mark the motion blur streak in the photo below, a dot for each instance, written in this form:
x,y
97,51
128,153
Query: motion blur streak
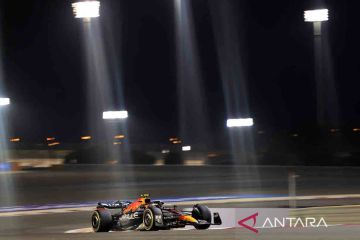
x,y
233,78
229,52
193,123
102,96
326,94
117,90
98,85
7,192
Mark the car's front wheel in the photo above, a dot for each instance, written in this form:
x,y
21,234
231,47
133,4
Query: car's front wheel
x,y
201,212
149,220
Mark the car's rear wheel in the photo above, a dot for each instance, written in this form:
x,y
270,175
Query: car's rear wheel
x,y
149,220
201,212
101,221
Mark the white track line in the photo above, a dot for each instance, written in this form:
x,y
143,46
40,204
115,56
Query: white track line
x,y
90,230
81,230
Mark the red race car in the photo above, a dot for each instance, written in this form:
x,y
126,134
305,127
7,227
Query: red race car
x,y
145,214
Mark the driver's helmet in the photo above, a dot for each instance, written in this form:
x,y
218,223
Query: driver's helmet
x,y
146,197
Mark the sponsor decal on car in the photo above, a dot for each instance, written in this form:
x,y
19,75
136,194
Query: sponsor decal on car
x,y
130,216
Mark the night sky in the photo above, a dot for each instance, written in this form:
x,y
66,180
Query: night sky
x,y
44,64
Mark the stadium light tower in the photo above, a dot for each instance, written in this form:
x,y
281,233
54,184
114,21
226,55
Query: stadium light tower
x,y
86,10
316,17
114,115
4,101
240,122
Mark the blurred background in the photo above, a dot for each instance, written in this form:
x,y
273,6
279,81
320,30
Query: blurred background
x,y
254,101
180,70
243,85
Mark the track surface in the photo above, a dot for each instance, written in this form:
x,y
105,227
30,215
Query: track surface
x,y
53,227
93,183
104,183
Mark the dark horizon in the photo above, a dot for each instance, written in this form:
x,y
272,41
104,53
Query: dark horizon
x,y
45,74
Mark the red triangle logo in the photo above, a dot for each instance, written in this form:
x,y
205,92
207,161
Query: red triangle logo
x,y
251,228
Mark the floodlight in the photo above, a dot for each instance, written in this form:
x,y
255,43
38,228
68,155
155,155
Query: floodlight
x,y
240,122
318,15
4,101
115,115
86,9
186,148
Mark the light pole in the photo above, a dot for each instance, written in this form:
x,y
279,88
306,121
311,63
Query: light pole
x,y
99,98
317,17
115,120
3,131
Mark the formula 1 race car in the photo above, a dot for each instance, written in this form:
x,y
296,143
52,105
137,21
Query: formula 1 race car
x,y
144,214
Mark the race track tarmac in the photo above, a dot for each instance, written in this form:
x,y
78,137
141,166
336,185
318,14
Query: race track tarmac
x,y
93,183
54,227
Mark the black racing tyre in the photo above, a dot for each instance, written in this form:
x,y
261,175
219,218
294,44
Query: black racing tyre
x,y
101,221
201,212
149,220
